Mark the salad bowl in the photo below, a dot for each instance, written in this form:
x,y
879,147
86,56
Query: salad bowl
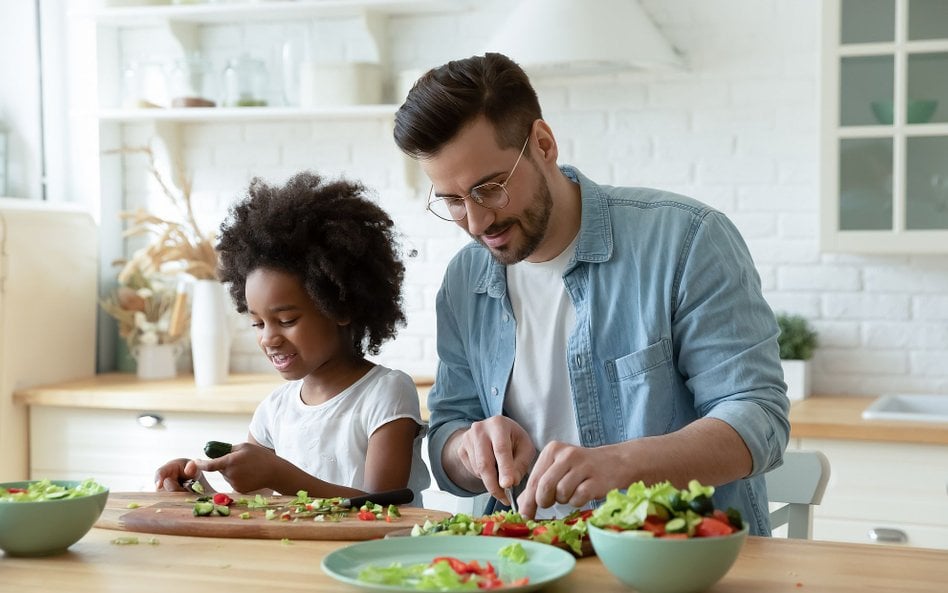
x,y
43,518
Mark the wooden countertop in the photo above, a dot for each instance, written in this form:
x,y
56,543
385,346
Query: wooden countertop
x,y
840,417
123,391
184,563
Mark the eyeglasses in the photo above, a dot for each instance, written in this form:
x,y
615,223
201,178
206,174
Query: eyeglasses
x,y
491,195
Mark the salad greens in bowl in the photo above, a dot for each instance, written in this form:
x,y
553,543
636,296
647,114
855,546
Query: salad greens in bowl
x,y
44,517
659,539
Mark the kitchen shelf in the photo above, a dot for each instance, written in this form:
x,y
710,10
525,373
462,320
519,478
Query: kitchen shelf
x,y
223,13
239,114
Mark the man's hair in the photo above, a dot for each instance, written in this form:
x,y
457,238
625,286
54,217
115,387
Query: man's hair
x,y
340,245
447,98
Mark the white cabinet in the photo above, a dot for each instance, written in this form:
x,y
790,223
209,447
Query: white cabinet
x,y
890,493
122,448
885,126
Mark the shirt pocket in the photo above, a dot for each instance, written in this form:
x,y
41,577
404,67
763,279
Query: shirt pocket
x,y
643,392
639,362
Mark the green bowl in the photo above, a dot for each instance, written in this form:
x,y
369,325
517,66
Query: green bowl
x,y
920,111
659,565
48,527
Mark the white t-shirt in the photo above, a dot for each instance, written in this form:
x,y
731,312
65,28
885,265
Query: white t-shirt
x,y
330,440
539,397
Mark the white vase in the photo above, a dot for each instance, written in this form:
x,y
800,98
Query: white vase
x,y
210,335
156,361
796,374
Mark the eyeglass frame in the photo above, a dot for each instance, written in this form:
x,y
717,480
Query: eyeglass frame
x,y
478,201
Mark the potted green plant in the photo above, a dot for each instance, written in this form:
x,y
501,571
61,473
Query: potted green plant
x,y
797,341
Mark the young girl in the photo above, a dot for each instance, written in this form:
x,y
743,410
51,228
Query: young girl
x,y
315,267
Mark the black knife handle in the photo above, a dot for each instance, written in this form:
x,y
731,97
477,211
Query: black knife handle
x,y
400,496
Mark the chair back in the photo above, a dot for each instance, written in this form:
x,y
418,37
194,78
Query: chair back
x,y
798,484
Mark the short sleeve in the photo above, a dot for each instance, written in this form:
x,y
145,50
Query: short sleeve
x,y
392,396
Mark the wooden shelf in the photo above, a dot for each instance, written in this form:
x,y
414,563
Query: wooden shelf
x,y
231,12
238,114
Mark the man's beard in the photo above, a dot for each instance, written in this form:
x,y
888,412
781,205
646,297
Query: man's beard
x,y
533,222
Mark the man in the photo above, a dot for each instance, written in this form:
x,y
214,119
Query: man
x,y
590,336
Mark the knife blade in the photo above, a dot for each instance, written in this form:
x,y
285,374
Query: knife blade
x,y
509,493
400,496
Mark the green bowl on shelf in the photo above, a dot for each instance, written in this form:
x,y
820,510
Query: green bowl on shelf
x,y
920,111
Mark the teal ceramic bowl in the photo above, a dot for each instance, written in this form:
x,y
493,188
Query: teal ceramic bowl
x,y
47,527
658,565
920,111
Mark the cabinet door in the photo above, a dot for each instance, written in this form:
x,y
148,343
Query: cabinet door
x,y
875,487
885,126
117,449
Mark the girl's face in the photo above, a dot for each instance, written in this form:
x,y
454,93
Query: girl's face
x,y
294,334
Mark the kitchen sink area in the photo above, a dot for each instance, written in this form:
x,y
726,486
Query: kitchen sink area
x,y
914,407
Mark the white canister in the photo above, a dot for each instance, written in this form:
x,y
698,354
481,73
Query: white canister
x,y
325,84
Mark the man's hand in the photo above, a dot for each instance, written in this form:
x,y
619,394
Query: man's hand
x,y
496,452
572,475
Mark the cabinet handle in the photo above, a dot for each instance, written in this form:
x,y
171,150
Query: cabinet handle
x,y
887,535
151,420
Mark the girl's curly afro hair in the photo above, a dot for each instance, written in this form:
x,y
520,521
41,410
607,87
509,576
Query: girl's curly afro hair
x,y
339,244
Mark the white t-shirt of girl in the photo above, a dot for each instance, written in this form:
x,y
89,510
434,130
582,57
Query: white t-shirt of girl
x,y
330,440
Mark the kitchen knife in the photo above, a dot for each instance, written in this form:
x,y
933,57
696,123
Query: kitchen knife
x,y
400,496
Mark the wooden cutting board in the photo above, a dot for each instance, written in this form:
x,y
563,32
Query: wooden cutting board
x,y
170,513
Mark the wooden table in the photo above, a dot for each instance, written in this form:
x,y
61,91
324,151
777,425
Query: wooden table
x,y
181,563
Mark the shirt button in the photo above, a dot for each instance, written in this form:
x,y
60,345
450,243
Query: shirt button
x,y
494,391
506,318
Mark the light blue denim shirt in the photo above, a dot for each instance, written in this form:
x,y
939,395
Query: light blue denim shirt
x,y
670,327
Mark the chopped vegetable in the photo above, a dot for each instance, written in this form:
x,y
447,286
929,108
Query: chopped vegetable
x,y
513,552
444,573
568,533
662,510
44,490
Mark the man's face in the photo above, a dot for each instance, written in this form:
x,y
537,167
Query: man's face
x,y
511,233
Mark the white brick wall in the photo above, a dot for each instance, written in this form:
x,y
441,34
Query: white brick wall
x,y
739,129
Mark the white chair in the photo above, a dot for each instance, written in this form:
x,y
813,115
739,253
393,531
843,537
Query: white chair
x,y
798,484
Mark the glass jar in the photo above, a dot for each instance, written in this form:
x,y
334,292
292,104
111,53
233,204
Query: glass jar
x,y
245,82
192,83
144,85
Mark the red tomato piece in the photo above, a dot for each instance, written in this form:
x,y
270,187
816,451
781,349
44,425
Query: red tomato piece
x,y
489,527
711,527
458,566
514,530
582,515
366,515
654,524
222,499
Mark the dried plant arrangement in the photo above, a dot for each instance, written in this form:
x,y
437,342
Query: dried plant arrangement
x,y
182,246
148,303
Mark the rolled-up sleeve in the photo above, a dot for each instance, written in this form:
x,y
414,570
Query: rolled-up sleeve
x,y
726,337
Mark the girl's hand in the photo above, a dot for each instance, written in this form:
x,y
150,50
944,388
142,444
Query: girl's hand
x,y
171,476
248,467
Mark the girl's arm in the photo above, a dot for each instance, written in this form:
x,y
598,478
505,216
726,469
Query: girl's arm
x,y
389,456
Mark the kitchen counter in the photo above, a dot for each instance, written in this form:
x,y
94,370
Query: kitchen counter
x,y
122,391
184,563
831,417
840,417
